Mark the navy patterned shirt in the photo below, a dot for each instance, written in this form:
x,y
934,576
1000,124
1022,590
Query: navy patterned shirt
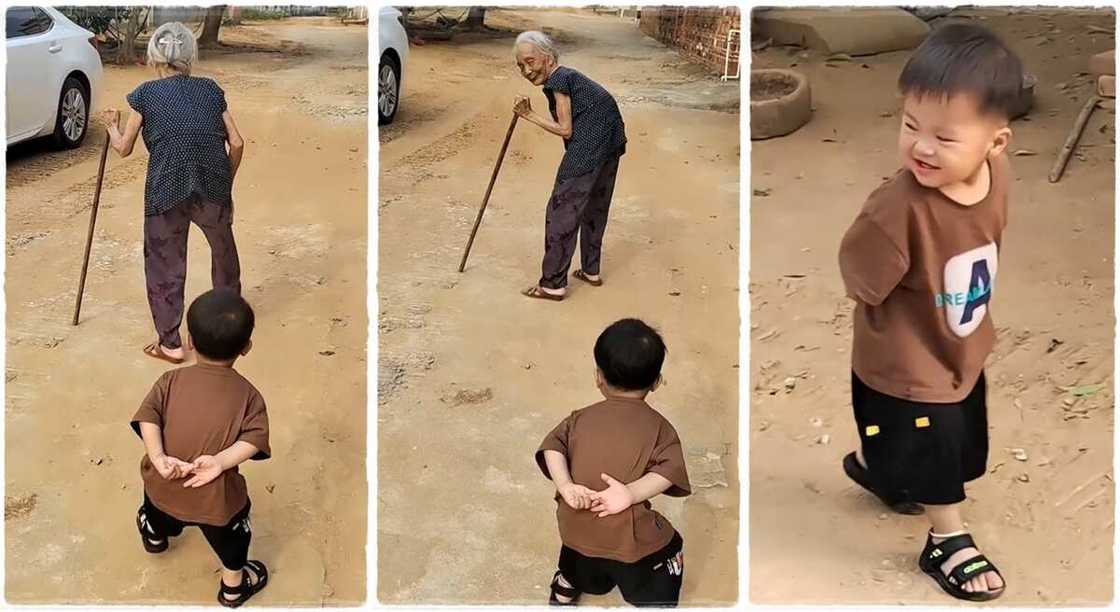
x,y
186,140
598,132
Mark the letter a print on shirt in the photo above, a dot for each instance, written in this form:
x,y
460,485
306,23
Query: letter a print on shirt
x,y
969,279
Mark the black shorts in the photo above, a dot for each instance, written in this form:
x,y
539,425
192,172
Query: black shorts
x,y
230,541
654,580
924,451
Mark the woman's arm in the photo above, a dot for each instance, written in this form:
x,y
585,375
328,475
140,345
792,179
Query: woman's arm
x,y
123,143
236,144
562,127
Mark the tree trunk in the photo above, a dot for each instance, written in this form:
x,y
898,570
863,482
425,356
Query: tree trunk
x,y
126,52
210,26
475,16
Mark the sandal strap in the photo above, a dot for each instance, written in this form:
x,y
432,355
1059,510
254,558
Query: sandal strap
x,y
945,549
970,568
562,590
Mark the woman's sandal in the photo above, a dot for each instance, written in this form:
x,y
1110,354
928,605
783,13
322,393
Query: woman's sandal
x,y
558,589
934,555
581,275
145,528
155,351
540,294
862,477
247,588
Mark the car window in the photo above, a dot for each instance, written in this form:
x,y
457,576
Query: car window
x,y
26,21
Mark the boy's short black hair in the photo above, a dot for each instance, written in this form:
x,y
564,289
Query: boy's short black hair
x,y
961,58
220,322
630,354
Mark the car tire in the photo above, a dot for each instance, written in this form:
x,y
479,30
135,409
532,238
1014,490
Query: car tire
x,y
388,89
72,120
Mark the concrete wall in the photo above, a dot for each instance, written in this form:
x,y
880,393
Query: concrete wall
x,y
699,33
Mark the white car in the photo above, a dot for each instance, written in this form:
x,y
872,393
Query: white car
x,y
393,42
53,76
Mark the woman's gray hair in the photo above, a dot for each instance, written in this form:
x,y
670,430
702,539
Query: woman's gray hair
x,y
173,45
539,40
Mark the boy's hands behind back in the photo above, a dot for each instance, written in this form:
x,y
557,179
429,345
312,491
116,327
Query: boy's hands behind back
x,y
205,469
612,500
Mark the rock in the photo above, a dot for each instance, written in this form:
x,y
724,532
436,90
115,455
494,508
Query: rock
x,y
705,469
1103,63
1019,454
825,439
790,384
1024,477
852,31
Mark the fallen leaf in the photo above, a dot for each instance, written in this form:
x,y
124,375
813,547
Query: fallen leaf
x,y
1084,390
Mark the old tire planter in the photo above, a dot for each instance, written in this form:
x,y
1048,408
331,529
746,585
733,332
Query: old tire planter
x,y
783,111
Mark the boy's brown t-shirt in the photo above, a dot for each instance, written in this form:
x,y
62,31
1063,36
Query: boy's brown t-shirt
x,y
625,439
202,410
922,268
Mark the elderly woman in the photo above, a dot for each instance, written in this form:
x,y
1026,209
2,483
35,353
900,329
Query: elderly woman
x,y
186,128
587,118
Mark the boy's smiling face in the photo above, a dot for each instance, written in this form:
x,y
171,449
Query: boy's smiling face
x,y
944,140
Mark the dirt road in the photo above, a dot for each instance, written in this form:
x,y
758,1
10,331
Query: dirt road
x,y
1047,522
473,375
298,92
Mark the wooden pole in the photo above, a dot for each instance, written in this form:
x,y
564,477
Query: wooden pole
x,y
1071,140
489,188
92,222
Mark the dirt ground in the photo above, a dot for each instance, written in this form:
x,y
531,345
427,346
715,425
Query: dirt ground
x,y
1047,522
298,91
473,375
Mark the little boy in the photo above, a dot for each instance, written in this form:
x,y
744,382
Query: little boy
x,y
198,424
613,537
920,261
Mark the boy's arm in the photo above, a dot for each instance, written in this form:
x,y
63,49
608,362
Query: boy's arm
x,y
871,262
576,496
168,467
557,465
648,486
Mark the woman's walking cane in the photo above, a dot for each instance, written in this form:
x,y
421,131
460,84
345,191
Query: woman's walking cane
x,y
92,222
486,198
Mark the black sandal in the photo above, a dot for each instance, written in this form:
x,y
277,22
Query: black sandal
x,y
145,528
934,554
558,589
246,589
862,477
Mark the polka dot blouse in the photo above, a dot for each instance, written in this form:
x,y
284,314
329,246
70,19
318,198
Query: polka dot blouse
x,y
598,132
186,140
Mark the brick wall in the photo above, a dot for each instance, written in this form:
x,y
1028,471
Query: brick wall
x,y
699,33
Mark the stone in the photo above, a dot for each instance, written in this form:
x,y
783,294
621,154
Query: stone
x,y
854,31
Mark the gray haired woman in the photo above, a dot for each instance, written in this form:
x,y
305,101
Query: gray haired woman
x,y
586,116
186,128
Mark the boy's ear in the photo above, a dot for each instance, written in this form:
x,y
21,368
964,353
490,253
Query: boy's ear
x,y
248,347
1001,141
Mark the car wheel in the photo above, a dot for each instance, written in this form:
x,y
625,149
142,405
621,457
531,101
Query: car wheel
x,y
71,125
388,89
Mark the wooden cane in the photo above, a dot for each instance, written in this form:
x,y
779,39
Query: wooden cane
x,y
92,222
486,198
